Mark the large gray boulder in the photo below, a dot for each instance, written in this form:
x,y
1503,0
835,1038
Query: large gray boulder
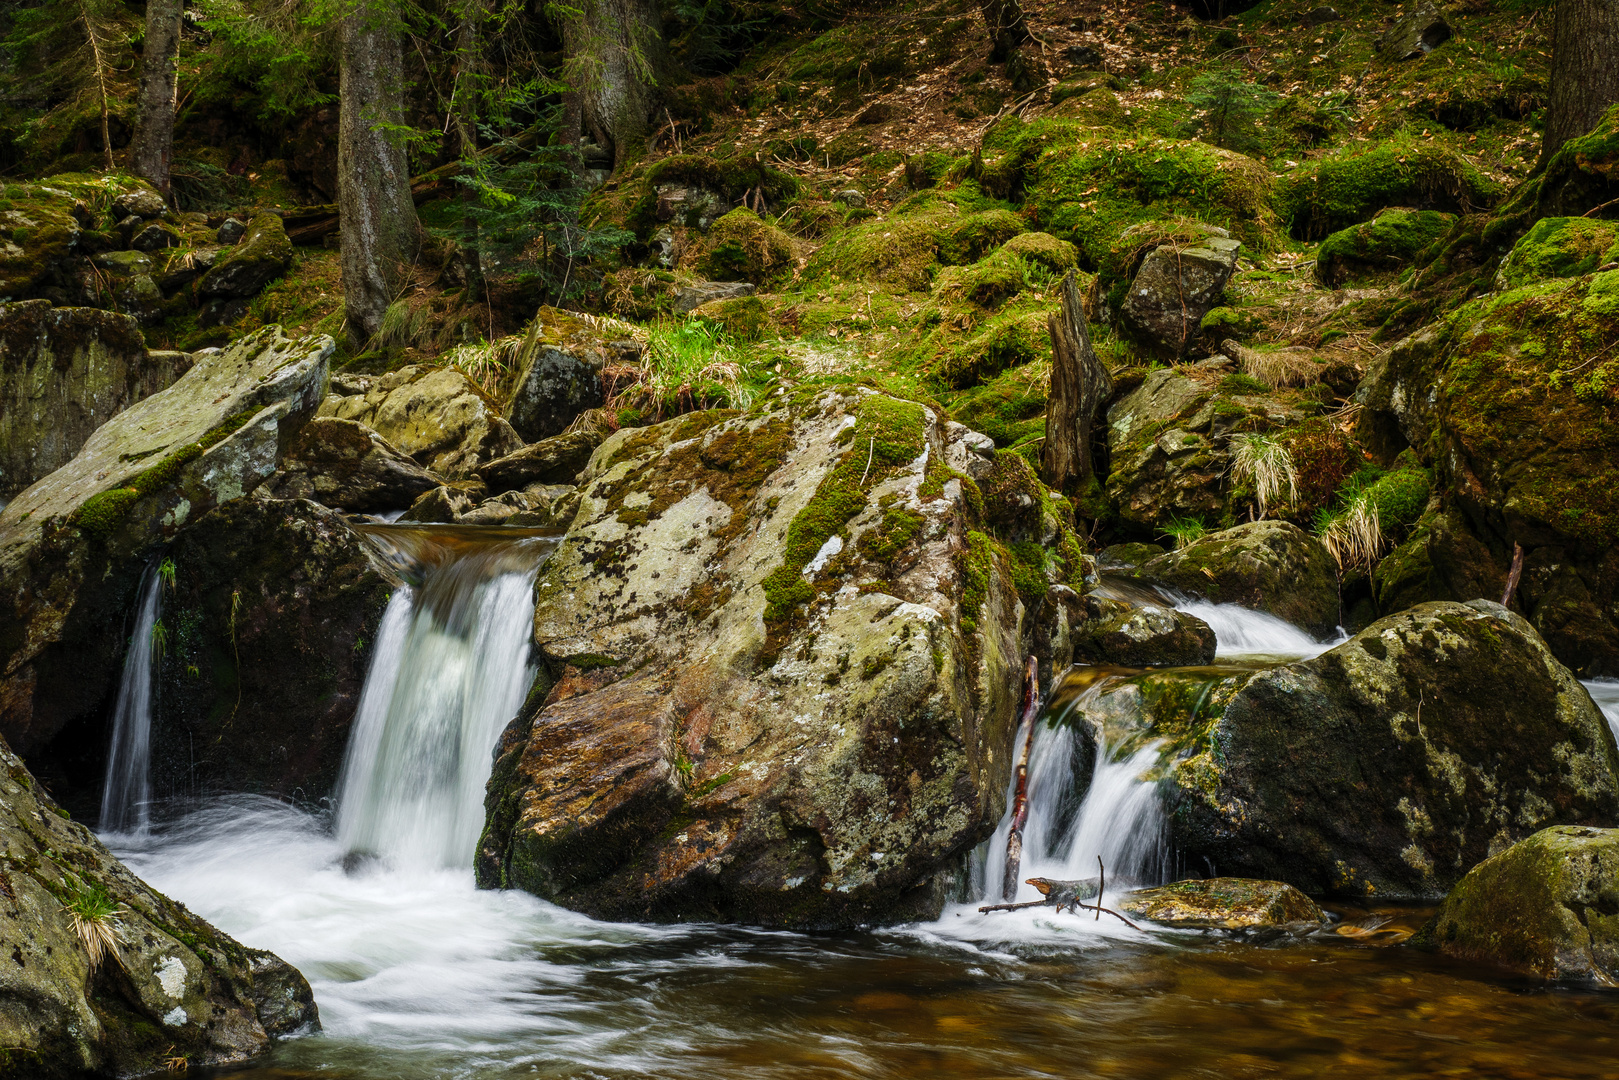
x,y
784,682
1270,566
173,985
345,465
1546,907
1175,287
1390,766
435,415
559,365
63,373
72,546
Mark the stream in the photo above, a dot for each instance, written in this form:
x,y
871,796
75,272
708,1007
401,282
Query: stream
x,y
418,974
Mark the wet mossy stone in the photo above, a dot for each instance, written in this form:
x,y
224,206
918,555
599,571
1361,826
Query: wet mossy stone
x,y
263,254
1115,632
741,247
1376,770
1270,566
1224,903
1559,248
1546,907
1386,244
1353,185
557,460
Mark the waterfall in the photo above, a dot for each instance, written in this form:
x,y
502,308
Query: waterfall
x,y
450,668
1605,692
1238,631
126,793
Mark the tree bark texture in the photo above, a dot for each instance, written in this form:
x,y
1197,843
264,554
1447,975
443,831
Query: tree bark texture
x,y
377,217
1007,27
1020,797
468,87
153,148
616,54
1079,385
1585,70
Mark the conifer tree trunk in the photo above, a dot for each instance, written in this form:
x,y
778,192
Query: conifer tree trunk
x,y
377,217
469,70
153,148
1079,385
616,55
1585,70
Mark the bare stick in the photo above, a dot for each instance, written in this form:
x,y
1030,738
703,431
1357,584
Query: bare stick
x,y
1098,908
1513,574
1020,800
1014,907
1101,886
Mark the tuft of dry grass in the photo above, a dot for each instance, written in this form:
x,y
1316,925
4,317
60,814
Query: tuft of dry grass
x,y
1282,367
1353,535
1264,462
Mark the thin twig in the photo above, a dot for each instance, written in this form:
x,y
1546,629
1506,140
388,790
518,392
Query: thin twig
x,y
872,449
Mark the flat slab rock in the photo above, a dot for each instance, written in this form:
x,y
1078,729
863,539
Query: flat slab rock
x,y
1223,904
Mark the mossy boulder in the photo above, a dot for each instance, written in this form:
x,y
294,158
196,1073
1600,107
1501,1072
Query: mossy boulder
x,y
784,679
1004,341
63,373
1166,459
1583,176
741,247
1224,903
173,986
745,318
1546,907
557,460
1384,245
1355,184
988,283
1376,770
904,250
38,244
263,254
1270,566
1176,286
345,465
271,621
1115,632
1559,248
437,416
74,545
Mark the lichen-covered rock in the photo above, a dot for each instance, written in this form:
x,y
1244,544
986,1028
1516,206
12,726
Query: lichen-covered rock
x,y
263,254
63,373
1546,907
1393,764
271,620
1176,286
73,546
1164,459
1383,245
1115,632
437,416
1270,566
140,202
691,297
345,465
557,460
1415,34
1223,903
785,682
173,986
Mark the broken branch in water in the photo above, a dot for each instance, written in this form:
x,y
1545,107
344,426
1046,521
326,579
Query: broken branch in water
x,y
1020,800
1069,895
1014,907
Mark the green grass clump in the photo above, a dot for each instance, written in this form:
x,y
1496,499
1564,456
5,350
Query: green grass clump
x,y
1239,383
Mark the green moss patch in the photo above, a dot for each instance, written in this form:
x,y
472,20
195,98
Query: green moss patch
x,y
1353,185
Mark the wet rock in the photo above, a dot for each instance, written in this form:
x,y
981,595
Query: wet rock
x,y
1173,290
1223,903
73,546
124,263
1127,556
263,254
63,373
1115,632
443,505
693,297
435,415
782,683
230,231
142,202
1546,907
181,268
272,617
557,460
1377,769
850,197
1270,566
173,986
347,466
1083,56
1414,35
41,249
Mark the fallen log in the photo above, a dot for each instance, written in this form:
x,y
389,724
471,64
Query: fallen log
x,y
1020,798
1066,895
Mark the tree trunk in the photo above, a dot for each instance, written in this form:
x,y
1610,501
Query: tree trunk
x,y
1079,385
376,214
1585,70
468,90
153,148
1008,30
1020,797
616,55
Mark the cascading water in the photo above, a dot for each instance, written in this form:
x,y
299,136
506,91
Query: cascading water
x,y
126,793
450,669
1605,692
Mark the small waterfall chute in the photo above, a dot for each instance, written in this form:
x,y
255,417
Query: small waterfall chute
x,y
450,668
126,791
